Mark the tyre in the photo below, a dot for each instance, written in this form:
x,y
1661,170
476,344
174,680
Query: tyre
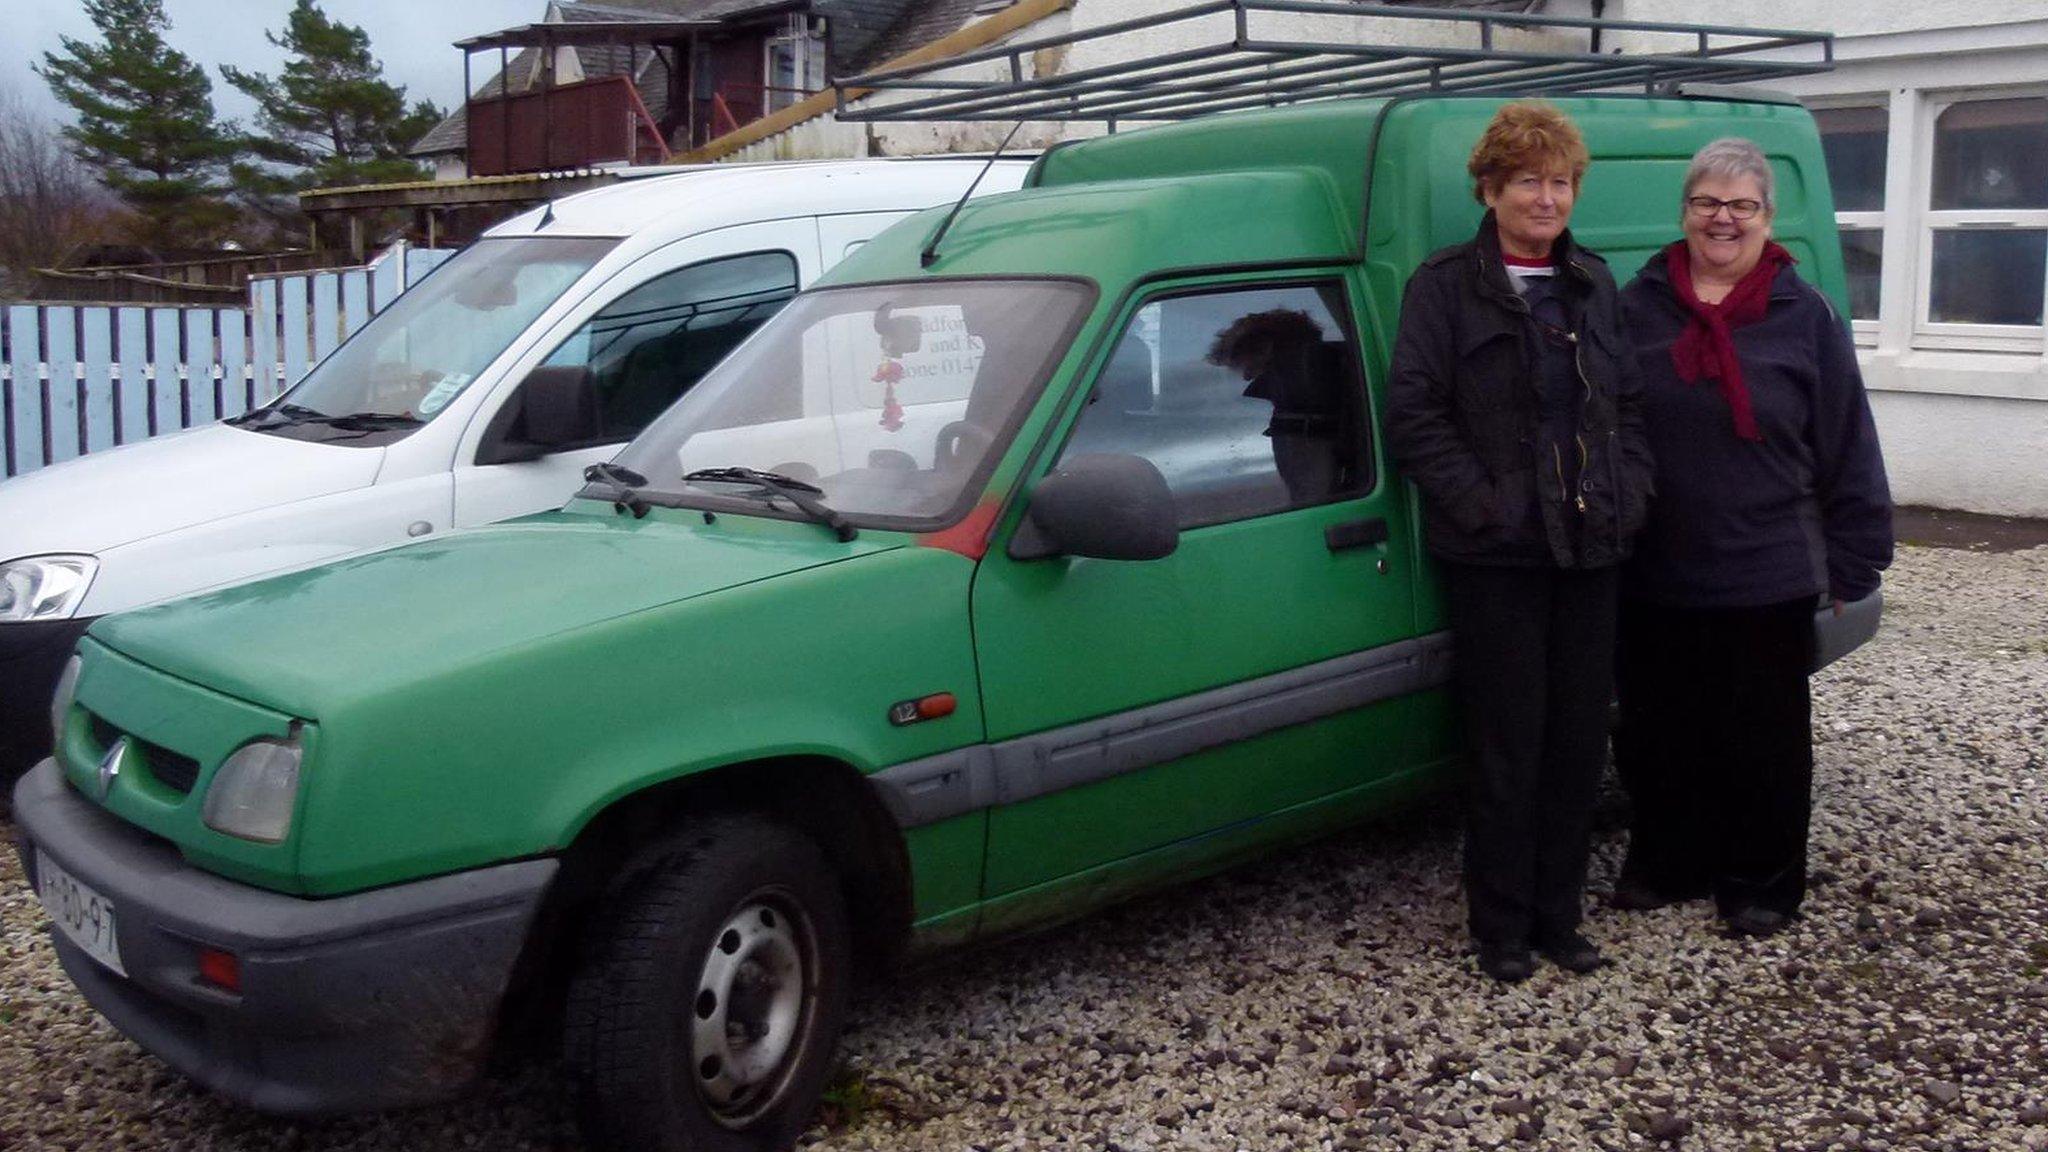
x,y
703,1011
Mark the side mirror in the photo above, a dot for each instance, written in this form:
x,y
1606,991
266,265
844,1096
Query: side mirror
x,y
1107,506
555,408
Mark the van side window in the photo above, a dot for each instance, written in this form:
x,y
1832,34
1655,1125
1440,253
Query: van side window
x,y
1248,401
647,347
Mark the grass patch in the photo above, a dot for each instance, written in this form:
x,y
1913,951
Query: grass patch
x,y
849,1099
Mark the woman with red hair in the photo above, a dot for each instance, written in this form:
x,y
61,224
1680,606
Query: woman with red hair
x,y
1513,406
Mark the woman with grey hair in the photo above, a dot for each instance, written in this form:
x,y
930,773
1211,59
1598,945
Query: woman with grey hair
x,y
1771,493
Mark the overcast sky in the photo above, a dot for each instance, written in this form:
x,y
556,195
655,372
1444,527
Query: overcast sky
x,y
413,38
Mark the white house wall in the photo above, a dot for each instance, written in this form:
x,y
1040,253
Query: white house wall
x,y
1964,419
1976,453
1844,18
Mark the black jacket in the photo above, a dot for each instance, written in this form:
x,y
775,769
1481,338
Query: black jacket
x,y
1462,415
1744,523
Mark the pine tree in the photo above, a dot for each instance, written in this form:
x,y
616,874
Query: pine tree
x,y
329,119
145,122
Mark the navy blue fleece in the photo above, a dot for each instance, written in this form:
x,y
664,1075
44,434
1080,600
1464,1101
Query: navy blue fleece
x,y
1739,523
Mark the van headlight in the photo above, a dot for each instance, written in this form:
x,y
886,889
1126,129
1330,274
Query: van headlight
x,y
44,587
60,703
252,794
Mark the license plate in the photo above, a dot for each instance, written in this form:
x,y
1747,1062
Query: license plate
x,y
84,916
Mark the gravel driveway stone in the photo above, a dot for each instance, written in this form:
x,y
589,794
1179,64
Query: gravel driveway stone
x,y
1322,999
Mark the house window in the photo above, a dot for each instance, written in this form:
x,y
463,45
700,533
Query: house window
x,y
1984,239
1854,141
796,64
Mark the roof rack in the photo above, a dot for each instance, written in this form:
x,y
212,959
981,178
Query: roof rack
x,y
1237,54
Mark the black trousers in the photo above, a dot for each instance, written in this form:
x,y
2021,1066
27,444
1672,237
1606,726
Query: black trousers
x,y
1716,750
1535,657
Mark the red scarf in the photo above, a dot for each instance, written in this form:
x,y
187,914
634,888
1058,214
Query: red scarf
x,y
1706,347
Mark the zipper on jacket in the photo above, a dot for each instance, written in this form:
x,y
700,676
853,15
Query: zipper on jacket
x,y
1564,491
1586,382
1580,440
1579,362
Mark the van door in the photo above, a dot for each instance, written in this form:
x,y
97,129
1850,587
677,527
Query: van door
x,y
671,318
1134,704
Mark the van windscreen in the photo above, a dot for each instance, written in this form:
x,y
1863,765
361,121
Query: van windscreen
x,y
405,366
894,400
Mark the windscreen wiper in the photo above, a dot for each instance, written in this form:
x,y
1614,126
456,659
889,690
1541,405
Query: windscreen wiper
x,y
798,492
282,413
368,421
623,482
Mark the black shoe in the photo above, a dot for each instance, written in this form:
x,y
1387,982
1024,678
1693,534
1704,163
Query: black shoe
x,y
1571,952
1507,963
1754,921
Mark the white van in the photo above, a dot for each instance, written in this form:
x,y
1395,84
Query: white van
x,y
480,394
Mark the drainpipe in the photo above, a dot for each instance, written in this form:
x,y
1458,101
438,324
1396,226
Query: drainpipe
x,y
504,112
547,102
690,88
1599,13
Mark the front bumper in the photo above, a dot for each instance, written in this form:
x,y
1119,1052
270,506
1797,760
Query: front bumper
x,y
356,1002
32,657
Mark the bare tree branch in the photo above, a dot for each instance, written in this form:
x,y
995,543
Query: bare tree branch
x,y
51,209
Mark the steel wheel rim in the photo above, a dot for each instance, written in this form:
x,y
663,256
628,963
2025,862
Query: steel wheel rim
x,y
750,1008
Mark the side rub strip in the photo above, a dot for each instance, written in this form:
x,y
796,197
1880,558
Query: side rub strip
x,y
984,775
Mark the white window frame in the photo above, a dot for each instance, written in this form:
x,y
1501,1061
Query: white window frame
x,y
1866,331
1931,334
806,48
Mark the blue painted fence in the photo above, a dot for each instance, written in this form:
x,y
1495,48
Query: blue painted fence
x,y
78,378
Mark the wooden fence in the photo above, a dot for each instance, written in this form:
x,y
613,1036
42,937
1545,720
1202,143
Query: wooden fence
x,y
79,378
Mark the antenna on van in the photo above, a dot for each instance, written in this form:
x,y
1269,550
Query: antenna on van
x,y
930,255
547,216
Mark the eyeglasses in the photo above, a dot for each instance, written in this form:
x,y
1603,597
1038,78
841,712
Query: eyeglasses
x,y
1743,209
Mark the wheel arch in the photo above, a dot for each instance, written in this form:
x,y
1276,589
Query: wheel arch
x,y
826,799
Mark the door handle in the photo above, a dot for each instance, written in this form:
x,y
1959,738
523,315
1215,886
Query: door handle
x,y
1355,534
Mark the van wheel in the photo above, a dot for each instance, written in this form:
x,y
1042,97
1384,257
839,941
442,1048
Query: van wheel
x,y
703,1012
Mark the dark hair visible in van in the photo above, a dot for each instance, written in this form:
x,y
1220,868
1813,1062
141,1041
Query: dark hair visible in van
x,y
1526,136
1260,333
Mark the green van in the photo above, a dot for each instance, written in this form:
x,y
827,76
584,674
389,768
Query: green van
x,y
968,594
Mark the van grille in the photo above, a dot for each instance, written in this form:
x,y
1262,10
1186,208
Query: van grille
x,y
173,770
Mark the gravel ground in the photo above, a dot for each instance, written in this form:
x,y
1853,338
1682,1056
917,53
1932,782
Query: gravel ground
x,y
1322,999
